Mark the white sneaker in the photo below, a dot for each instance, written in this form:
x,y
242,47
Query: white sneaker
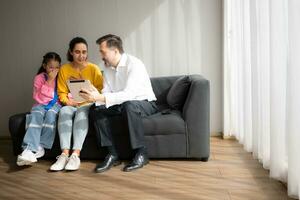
x,y
27,157
73,163
40,153
61,162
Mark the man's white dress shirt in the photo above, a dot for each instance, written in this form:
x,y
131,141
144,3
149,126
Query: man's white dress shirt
x,y
128,81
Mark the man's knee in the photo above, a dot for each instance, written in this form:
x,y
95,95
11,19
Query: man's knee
x,y
96,112
92,112
130,106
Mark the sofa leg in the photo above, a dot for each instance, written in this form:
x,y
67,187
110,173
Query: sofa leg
x,y
205,159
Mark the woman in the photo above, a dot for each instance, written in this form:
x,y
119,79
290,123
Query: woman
x,y
73,117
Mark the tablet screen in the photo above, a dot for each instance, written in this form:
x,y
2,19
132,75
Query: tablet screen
x,y
75,86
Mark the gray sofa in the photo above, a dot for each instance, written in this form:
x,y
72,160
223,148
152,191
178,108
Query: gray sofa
x,y
170,133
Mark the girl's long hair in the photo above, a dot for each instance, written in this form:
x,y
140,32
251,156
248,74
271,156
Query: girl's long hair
x,y
46,58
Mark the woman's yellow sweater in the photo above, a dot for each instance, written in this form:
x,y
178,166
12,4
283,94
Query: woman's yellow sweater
x,y
90,72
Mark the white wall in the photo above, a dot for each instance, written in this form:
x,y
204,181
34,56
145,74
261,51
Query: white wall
x,y
29,29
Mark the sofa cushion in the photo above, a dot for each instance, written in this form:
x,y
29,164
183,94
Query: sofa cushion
x,y
164,124
161,87
178,92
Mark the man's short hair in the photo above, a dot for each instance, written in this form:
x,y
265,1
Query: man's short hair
x,y
112,41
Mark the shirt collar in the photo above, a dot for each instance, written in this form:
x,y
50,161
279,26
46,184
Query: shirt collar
x,y
122,63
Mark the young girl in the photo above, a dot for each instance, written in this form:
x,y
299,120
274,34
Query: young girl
x,y
41,122
73,117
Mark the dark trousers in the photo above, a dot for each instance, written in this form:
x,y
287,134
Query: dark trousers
x,y
132,111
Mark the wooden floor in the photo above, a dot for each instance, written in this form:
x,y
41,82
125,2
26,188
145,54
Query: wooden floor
x,y
231,173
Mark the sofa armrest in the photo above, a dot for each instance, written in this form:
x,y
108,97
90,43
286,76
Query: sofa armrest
x,y
197,118
17,131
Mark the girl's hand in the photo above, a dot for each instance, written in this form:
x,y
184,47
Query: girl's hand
x,y
52,75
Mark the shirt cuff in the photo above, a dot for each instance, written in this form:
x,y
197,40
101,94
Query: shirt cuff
x,y
109,99
99,103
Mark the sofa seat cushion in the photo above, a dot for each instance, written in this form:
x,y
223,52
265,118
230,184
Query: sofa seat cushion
x,y
164,124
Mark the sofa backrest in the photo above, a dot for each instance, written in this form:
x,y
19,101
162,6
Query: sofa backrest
x,y
161,87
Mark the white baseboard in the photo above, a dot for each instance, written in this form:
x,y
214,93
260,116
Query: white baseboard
x,y
225,137
221,134
216,134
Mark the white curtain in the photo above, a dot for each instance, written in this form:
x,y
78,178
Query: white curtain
x,y
262,83
169,40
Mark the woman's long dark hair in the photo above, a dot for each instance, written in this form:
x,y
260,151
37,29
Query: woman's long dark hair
x,y
72,44
46,58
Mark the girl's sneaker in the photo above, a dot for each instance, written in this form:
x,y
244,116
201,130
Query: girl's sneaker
x,y
40,153
27,157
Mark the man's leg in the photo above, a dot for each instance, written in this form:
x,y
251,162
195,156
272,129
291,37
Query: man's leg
x,y
100,116
134,111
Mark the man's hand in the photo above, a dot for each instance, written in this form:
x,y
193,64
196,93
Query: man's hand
x,y
92,95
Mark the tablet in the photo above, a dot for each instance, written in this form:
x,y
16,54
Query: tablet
x,y
75,86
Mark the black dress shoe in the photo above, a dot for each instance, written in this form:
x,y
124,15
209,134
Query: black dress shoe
x,y
139,160
109,161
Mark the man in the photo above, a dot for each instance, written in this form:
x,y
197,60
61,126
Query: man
x,y
128,92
